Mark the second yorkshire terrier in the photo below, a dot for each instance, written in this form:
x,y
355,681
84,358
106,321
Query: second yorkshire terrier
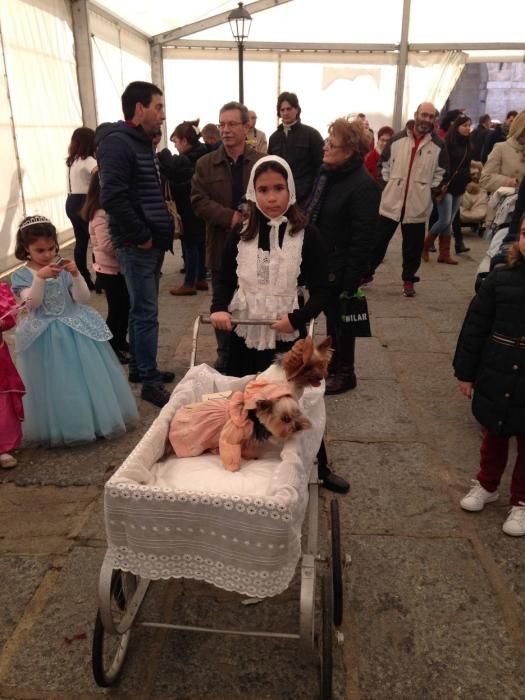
x,y
238,425
305,364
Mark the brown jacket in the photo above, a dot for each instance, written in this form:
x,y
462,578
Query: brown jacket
x,y
211,198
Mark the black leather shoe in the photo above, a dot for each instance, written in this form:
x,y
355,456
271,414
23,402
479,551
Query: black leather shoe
x,y
462,249
340,382
155,394
334,483
164,377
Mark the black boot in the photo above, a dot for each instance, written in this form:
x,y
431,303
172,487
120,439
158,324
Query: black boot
x,y
458,236
344,378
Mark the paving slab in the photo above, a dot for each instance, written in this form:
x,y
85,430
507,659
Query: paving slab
x,y
407,334
418,605
22,574
371,360
57,651
396,489
373,411
56,515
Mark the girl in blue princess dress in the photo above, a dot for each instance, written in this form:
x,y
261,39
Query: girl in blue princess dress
x,y
76,389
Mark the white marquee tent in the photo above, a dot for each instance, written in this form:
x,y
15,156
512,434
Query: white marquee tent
x,y
64,63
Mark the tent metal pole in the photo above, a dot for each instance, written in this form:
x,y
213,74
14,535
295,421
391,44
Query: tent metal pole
x,y
157,78
397,120
84,61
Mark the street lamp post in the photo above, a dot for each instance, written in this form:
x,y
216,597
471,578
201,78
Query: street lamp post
x,y
240,21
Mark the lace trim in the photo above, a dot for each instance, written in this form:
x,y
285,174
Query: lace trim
x,y
251,582
251,505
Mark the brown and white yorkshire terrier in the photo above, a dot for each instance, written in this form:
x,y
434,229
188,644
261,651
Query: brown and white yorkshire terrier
x,y
237,426
303,365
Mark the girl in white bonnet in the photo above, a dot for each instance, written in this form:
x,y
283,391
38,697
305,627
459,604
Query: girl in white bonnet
x,y
260,269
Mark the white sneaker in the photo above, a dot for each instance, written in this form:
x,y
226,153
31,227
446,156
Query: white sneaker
x,y
515,523
7,461
477,497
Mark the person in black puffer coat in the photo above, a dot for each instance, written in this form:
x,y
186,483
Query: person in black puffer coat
x,y
457,141
178,170
344,205
490,366
140,224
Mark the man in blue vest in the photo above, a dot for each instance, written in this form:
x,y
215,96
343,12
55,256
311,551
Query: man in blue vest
x,y
141,226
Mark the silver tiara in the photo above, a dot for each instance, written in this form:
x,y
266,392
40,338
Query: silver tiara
x,y
33,220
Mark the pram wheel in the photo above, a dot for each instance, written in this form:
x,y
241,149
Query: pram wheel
x,y
113,626
325,638
337,565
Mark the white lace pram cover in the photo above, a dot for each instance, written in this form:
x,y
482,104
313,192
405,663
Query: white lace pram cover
x,y
245,543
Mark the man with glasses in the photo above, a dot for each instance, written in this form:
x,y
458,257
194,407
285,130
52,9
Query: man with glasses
x,y
218,185
413,165
300,145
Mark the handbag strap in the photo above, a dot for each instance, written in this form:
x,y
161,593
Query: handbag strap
x,y
456,171
167,191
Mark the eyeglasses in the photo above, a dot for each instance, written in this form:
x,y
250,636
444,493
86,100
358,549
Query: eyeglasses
x,y
228,125
331,146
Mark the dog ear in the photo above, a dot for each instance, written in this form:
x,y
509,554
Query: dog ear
x,y
308,349
302,423
325,344
265,405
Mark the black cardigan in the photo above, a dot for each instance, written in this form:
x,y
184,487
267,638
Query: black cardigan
x,y
497,369
313,272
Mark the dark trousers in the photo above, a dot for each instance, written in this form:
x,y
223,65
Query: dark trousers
x,y
343,345
118,308
223,337
413,239
194,256
494,452
74,203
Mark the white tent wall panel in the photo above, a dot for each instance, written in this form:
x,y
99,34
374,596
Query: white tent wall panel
x,y
119,57
11,206
41,73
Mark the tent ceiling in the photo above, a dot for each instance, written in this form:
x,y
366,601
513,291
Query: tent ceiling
x,y
164,15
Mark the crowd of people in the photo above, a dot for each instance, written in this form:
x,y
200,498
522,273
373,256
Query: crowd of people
x,y
263,219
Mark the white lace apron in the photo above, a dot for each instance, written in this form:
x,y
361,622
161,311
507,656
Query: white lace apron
x,y
267,285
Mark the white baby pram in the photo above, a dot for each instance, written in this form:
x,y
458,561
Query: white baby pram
x,y
169,517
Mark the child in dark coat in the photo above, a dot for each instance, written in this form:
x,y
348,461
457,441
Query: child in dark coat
x,y
490,366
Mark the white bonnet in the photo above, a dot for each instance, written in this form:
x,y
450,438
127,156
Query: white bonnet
x,y
250,191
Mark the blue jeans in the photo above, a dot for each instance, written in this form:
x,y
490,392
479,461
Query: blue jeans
x,y
447,210
141,270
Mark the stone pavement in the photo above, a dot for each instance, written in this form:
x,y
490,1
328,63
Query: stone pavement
x,y
434,597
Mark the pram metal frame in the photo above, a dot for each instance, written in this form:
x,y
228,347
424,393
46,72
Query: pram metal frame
x,y
123,588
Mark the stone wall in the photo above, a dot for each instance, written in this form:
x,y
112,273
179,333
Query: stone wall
x,y
492,88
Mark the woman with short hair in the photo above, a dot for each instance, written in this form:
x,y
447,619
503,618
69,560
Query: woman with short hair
x,y
344,205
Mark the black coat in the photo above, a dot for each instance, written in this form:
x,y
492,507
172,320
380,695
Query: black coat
x,y
496,368
302,149
178,170
347,219
130,187
459,169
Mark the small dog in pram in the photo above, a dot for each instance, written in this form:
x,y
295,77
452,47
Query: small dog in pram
x,y
239,423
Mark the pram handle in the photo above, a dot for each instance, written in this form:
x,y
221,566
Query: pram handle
x,y
242,322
